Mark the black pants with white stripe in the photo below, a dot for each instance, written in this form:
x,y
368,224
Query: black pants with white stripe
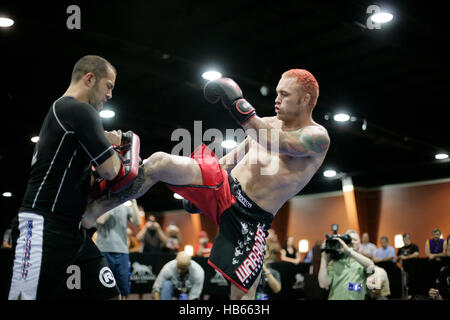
x,y
55,259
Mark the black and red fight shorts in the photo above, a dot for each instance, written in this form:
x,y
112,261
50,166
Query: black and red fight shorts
x,y
238,250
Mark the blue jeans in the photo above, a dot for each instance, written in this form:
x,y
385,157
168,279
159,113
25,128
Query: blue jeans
x,y
167,290
119,263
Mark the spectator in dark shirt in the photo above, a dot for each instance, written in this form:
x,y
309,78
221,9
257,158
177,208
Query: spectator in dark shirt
x,y
151,236
408,251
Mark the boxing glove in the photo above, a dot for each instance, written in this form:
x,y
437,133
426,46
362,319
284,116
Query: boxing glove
x,y
230,94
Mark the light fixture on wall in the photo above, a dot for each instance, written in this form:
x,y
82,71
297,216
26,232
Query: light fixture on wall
x,y
189,250
398,241
303,246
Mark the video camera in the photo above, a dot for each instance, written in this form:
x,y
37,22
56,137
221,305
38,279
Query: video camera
x,y
332,246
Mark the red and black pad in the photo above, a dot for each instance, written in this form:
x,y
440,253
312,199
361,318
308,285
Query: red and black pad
x,y
128,152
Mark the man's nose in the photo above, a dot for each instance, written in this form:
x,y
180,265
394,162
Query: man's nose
x,y
278,99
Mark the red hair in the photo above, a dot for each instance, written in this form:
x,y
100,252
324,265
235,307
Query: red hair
x,y
306,81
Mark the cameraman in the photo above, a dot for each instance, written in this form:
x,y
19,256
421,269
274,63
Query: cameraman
x,y
152,236
344,272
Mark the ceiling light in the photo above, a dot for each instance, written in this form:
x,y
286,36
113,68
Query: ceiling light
x,y
441,156
341,117
329,173
177,196
211,75
35,139
229,144
7,194
381,17
107,114
6,22
264,90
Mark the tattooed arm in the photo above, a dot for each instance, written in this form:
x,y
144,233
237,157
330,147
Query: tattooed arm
x,y
305,142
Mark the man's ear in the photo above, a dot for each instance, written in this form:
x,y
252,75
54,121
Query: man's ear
x,y
89,79
305,99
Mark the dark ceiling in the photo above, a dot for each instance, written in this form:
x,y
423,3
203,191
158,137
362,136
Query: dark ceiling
x,y
396,78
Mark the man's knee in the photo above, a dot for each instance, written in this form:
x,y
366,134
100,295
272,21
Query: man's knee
x,y
155,163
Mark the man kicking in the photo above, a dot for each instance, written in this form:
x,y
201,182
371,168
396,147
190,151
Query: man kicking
x,y
242,191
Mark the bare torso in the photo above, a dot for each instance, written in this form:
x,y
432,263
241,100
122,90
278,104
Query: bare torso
x,y
271,178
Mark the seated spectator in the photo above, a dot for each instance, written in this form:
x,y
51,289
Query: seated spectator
x,y
442,291
272,247
367,248
269,283
408,251
174,242
181,278
289,253
203,247
385,252
152,237
378,285
434,247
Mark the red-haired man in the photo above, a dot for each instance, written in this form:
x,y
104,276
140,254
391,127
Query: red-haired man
x,y
243,190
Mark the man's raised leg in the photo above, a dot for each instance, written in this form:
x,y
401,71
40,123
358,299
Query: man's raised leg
x,y
160,166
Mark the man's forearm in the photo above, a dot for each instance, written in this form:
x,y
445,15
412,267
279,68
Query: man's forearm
x,y
324,280
361,259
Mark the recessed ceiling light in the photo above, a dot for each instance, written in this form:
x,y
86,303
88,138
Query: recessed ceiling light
x,y
341,117
381,17
177,196
7,194
35,139
329,173
229,144
441,156
211,75
6,22
107,114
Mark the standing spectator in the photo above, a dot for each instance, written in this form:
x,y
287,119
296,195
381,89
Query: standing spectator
x,y
385,252
272,247
181,277
152,237
408,251
112,242
367,248
132,242
7,239
345,277
434,247
314,257
378,285
174,242
289,253
203,247
447,246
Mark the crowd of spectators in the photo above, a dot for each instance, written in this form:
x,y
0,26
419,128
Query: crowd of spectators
x,y
129,229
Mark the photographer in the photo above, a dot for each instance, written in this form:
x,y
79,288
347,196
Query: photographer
x,y
343,270
152,236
